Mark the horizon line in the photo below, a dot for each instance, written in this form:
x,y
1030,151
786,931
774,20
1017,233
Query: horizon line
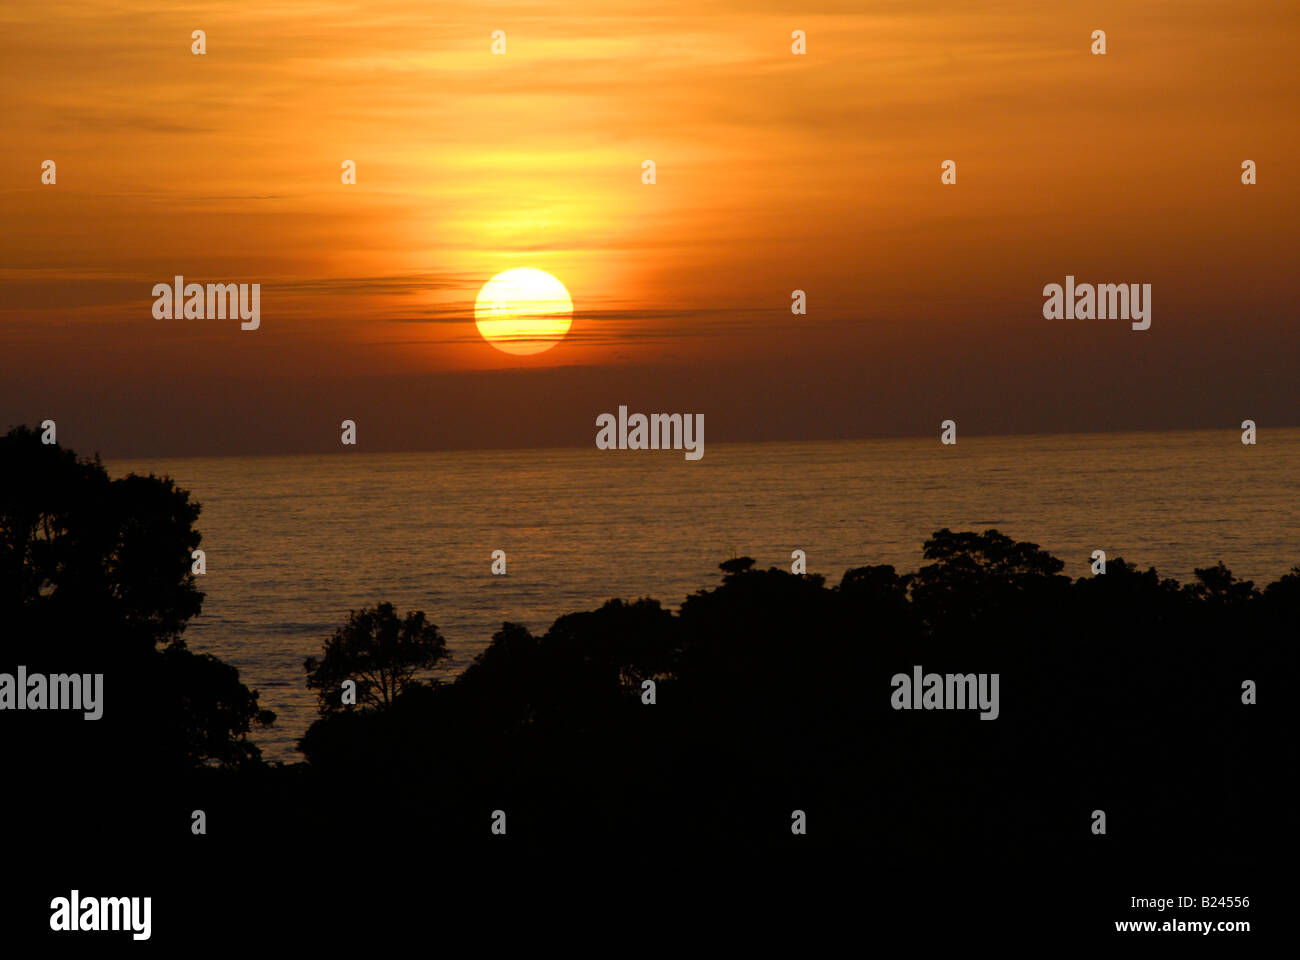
x,y
804,441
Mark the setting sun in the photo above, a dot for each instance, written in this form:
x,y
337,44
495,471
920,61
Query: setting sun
x,y
523,311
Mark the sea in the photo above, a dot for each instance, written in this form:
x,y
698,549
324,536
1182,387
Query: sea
x,y
294,543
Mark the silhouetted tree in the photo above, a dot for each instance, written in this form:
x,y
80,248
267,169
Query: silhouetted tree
x,y
974,575
113,552
377,650
1282,600
774,693
736,566
95,576
1217,586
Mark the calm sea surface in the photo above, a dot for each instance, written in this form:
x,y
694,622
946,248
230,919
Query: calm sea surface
x,y
293,543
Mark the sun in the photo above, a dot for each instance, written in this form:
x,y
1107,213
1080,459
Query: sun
x,y
523,311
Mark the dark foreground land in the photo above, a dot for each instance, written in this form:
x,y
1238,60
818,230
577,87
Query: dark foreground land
x,y
1122,693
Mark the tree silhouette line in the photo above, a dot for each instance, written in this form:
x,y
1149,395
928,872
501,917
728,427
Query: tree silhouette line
x,y
771,693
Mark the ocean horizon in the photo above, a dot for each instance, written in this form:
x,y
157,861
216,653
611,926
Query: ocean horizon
x,y
295,542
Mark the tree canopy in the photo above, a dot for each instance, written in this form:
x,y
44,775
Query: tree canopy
x,y
380,652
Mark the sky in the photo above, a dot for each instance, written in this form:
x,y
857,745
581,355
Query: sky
x,y
774,173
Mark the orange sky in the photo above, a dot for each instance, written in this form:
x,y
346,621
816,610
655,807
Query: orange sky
x,y
775,172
